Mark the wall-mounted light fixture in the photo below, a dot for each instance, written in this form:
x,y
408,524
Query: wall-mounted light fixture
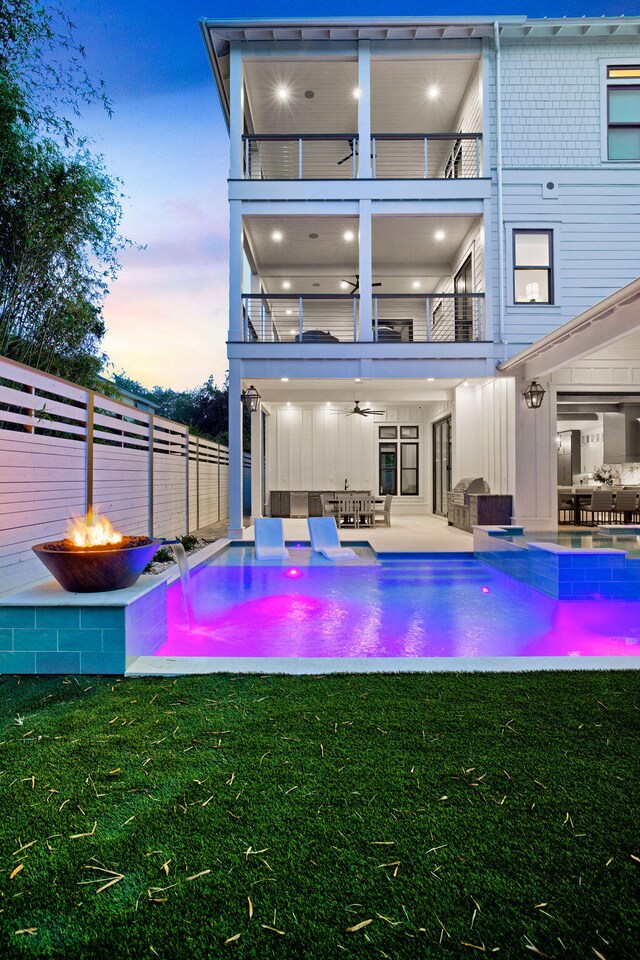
x,y
533,395
250,398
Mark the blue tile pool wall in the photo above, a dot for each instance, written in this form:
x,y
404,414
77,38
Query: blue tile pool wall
x,y
62,640
562,573
146,623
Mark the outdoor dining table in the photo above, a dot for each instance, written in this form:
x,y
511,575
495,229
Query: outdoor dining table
x,y
376,502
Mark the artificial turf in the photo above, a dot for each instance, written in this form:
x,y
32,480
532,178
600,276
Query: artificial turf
x,y
397,816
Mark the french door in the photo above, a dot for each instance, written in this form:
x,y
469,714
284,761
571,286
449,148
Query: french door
x,y
441,446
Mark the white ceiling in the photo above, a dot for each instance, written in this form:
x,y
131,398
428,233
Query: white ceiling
x,y
399,101
367,391
404,248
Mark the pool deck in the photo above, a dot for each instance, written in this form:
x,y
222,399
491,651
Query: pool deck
x,y
408,534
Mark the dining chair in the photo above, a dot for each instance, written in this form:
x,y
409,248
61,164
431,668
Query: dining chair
x,y
600,509
366,511
626,502
328,509
382,511
345,510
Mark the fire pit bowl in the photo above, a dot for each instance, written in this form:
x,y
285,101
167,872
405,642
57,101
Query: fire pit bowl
x,y
94,569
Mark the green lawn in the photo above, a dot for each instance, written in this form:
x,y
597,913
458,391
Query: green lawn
x,y
372,816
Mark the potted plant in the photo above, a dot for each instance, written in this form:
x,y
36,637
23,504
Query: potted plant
x,y
603,475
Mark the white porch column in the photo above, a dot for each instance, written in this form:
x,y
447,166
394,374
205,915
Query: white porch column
x,y
365,267
535,493
364,110
257,453
236,111
235,271
236,529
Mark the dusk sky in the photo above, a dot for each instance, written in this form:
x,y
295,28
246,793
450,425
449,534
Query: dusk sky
x,y
167,312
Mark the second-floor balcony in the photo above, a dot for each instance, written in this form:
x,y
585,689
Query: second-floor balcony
x,y
336,156
395,318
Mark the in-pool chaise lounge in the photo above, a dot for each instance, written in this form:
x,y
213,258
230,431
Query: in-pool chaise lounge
x,y
325,540
269,536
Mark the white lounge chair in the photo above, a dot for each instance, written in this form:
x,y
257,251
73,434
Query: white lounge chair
x,y
325,540
269,537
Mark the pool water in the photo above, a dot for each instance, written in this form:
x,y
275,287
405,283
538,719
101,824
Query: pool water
x,y
395,605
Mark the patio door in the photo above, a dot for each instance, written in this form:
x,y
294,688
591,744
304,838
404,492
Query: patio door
x,y
463,306
442,444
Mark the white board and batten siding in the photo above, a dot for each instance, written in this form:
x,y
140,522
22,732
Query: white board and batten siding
x,y
64,448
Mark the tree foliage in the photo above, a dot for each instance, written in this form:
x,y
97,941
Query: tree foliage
x,y
59,209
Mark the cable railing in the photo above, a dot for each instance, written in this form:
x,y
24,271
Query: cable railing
x,y
334,156
303,318
429,156
431,318
325,156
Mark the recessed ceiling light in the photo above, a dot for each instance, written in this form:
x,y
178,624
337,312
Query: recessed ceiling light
x,y
328,403
284,379
348,235
283,93
277,235
288,403
433,92
288,312
465,383
286,285
344,284
358,379
357,93
439,235
430,379
416,284
292,332
309,94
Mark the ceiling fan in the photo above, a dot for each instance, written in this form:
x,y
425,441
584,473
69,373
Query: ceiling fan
x,y
361,411
356,286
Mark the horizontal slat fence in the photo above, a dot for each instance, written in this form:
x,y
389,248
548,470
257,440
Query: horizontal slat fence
x,y
64,449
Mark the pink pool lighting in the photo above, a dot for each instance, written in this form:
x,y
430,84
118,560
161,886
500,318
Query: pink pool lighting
x,y
398,608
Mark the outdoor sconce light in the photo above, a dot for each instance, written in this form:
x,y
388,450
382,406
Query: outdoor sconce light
x,y
533,395
250,399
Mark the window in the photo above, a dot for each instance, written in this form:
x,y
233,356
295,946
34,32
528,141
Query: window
x,y
398,470
623,112
532,266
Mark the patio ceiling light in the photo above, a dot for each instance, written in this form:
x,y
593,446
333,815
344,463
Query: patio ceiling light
x,y
250,399
292,332
439,235
357,379
357,93
286,284
416,284
277,235
288,312
348,235
284,379
283,93
430,379
533,395
433,92
344,284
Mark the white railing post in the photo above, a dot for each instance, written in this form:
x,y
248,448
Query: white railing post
x,y
365,266
299,158
426,159
375,319
373,157
355,318
364,109
354,159
477,142
300,316
428,317
263,320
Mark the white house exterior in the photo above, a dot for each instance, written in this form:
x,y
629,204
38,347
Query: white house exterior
x,y
479,180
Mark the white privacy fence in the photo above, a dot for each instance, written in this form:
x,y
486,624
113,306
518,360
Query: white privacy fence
x,y
64,448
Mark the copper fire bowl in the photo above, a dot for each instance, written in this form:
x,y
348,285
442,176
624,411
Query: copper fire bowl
x,y
96,569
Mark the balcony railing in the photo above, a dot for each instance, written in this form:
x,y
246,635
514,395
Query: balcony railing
x,y
307,157
431,156
435,317
305,318
396,318
333,156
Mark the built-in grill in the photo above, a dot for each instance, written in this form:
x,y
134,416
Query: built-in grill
x,y
462,489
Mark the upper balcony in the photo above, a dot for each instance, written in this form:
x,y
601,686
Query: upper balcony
x,y
308,119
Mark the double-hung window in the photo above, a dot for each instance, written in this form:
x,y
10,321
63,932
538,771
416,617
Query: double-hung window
x,y
623,111
532,266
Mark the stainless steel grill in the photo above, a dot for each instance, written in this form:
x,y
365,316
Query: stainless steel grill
x,y
462,489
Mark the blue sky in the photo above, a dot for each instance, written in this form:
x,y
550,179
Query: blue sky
x,y
167,312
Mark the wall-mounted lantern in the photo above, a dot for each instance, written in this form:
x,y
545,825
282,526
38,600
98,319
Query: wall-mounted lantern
x,y
533,395
250,399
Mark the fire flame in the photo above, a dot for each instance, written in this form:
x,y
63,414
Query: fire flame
x,y
94,530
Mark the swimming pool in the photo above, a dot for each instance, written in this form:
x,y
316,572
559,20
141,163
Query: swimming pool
x,y
389,606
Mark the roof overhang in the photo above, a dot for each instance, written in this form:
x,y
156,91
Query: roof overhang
x,y
607,321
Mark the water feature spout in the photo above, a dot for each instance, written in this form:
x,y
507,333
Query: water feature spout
x,y
185,577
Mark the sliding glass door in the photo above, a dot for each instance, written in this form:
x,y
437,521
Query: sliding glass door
x,y
441,437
